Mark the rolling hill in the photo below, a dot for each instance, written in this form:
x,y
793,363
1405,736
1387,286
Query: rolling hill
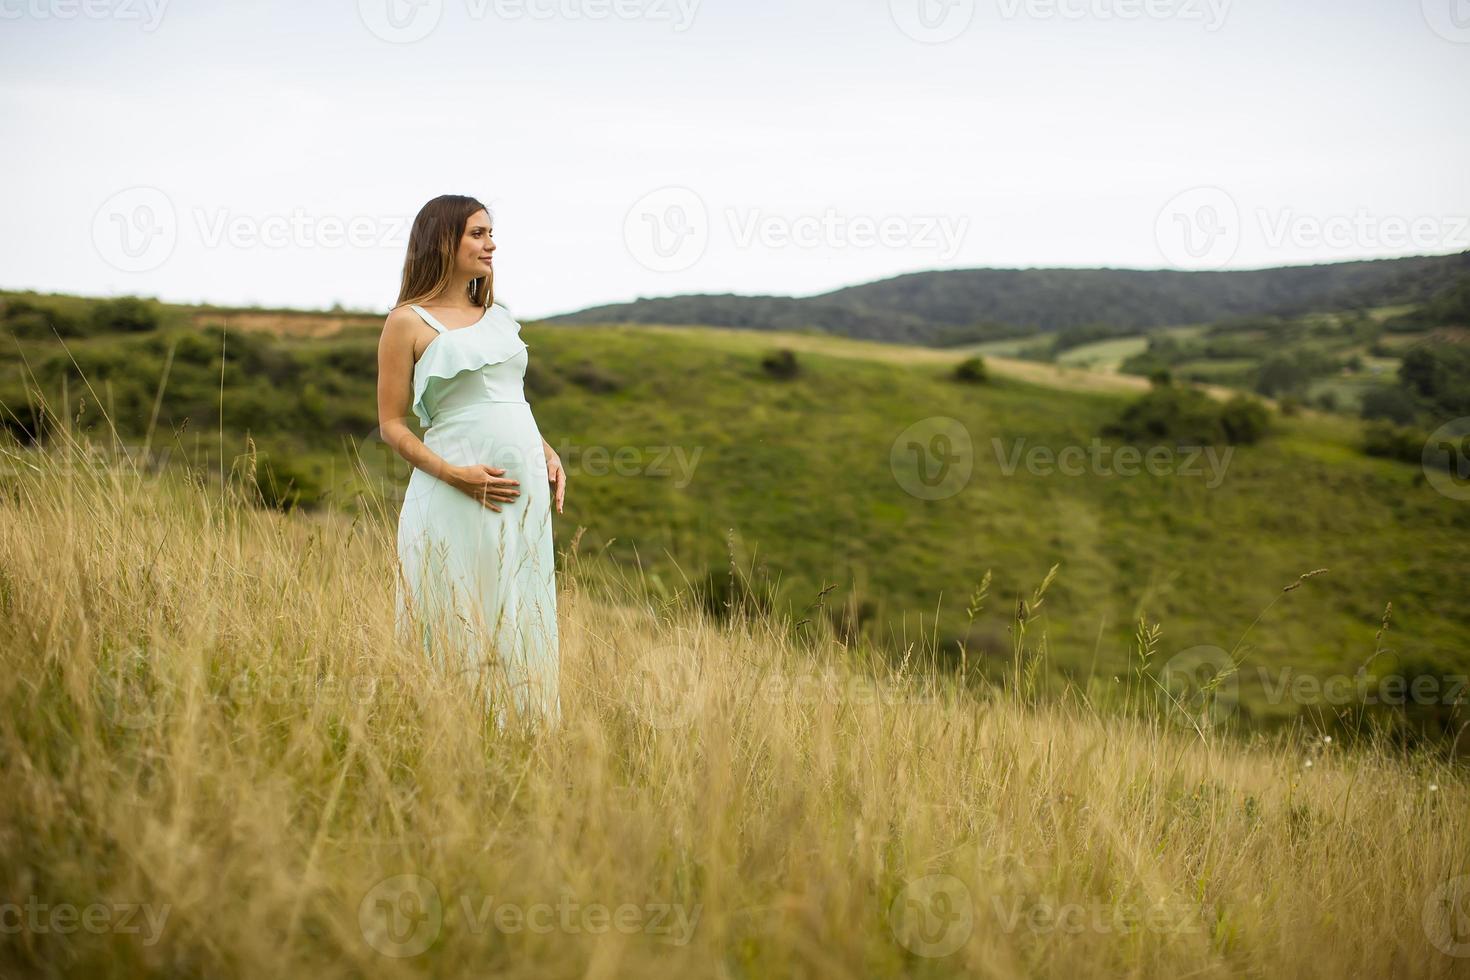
x,y
956,306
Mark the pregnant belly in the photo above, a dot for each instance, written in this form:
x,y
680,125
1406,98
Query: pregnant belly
x,y
502,435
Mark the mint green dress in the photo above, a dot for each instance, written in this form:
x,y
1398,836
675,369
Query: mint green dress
x,y
477,587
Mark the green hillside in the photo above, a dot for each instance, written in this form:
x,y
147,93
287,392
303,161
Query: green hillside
x,y
973,305
683,442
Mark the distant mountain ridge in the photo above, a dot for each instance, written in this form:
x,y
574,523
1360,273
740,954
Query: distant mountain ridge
x,y
943,306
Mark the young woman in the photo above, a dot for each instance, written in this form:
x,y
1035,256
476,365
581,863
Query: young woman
x,y
474,532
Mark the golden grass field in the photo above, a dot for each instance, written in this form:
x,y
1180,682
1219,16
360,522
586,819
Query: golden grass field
x,y
219,762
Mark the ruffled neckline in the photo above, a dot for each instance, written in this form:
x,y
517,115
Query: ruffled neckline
x,y
470,348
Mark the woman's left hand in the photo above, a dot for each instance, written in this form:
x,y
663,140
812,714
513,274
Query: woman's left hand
x,y
557,475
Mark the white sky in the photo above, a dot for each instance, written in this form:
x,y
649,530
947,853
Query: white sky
x,y
1046,132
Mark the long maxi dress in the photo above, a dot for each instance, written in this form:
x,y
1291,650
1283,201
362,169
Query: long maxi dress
x,y
479,585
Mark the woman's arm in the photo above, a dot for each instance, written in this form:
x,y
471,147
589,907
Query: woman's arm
x,y
395,391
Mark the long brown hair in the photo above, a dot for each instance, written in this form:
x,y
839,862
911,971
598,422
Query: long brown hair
x,y
432,244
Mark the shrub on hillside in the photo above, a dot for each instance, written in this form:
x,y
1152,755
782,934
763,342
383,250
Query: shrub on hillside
x,y
194,348
1389,403
1393,441
126,314
280,483
1244,420
540,381
971,371
594,379
1187,416
32,321
1439,375
781,364
722,594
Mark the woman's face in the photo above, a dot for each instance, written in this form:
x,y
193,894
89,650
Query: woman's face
x,y
476,246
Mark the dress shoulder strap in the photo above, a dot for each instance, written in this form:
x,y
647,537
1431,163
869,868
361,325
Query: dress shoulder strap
x,y
428,318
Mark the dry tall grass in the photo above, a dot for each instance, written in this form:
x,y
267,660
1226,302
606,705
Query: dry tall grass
x,y
217,761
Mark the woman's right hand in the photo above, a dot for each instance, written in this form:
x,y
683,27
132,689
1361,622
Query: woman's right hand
x,y
484,483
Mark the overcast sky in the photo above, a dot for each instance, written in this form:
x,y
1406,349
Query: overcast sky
x,y
275,152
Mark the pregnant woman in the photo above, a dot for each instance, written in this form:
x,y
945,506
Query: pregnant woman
x,y
477,586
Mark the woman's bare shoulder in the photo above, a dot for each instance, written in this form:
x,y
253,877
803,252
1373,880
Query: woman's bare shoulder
x,y
401,320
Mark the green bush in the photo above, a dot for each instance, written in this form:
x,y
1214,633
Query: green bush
x,y
125,314
32,321
971,371
1244,420
281,483
781,364
1389,403
1393,441
194,348
589,376
541,382
1187,416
